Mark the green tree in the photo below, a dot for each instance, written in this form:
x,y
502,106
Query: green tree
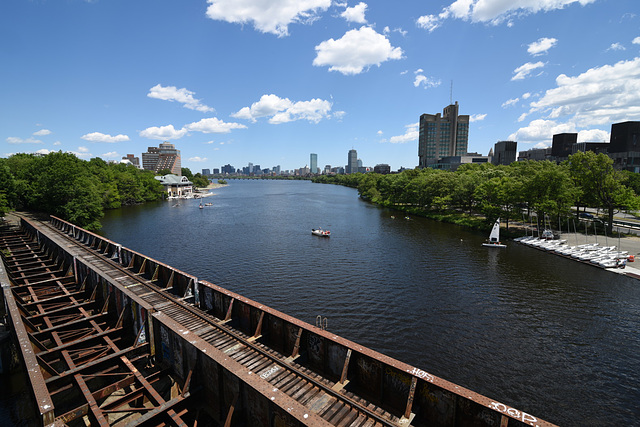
x,y
596,176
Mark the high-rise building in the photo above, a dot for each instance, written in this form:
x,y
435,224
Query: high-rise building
x,y
352,162
624,146
442,136
206,172
313,163
504,153
165,156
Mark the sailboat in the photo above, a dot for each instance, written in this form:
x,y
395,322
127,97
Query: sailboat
x,y
494,237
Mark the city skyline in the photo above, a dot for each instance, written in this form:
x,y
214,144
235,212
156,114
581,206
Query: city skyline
x,y
231,81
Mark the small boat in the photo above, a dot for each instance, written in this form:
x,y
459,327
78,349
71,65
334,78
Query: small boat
x,y
320,232
494,237
208,204
201,207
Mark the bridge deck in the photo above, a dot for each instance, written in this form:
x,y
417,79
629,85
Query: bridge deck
x,y
121,338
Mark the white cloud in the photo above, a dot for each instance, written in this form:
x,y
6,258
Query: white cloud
x,y
163,132
423,80
16,140
213,125
101,137
410,135
477,117
183,96
43,151
616,46
493,11
356,13
636,40
267,16
356,51
524,70
599,96
379,132
541,131
526,95
42,132
510,102
83,149
57,143
198,159
111,155
282,110
541,46
594,135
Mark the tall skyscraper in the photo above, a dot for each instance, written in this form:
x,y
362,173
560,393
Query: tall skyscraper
x,y
352,162
165,156
442,136
313,163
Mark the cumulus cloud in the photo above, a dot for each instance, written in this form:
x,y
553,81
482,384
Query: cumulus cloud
x,y
594,135
267,16
197,159
411,134
111,155
355,51
213,125
599,96
43,151
163,132
477,117
102,137
42,132
492,11
283,110
541,131
183,96
16,140
355,13
636,40
524,70
541,46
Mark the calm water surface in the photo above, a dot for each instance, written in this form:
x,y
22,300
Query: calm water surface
x,y
546,335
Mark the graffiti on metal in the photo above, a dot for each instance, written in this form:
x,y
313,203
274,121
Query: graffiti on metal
x,y
522,416
421,374
272,370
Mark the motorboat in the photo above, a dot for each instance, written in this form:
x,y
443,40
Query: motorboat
x,y
494,237
320,232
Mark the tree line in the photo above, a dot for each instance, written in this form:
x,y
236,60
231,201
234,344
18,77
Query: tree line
x,y
73,189
543,188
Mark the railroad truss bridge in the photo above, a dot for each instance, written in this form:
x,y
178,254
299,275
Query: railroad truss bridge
x,y
109,336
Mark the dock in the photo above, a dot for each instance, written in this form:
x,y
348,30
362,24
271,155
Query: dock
x,y
109,336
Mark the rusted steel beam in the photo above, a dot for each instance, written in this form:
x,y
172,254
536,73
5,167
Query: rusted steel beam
x,y
43,400
71,324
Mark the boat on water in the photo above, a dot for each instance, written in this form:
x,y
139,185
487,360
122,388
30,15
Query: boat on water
x,y
320,232
494,237
208,204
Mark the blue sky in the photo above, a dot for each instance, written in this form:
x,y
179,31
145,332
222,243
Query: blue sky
x,y
271,81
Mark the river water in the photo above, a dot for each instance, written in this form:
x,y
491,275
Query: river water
x,y
546,335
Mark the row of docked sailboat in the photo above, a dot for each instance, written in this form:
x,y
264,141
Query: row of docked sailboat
x,y
602,256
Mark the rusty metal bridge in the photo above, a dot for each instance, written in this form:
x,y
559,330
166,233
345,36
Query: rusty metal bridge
x,y
109,336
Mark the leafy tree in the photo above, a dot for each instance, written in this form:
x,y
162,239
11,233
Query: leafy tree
x,y
163,172
187,172
597,177
199,180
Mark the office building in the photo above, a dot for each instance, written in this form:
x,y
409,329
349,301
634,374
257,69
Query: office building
x,y
130,158
163,157
624,146
352,162
228,169
504,153
382,168
206,172
443,135
562,145
313,163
